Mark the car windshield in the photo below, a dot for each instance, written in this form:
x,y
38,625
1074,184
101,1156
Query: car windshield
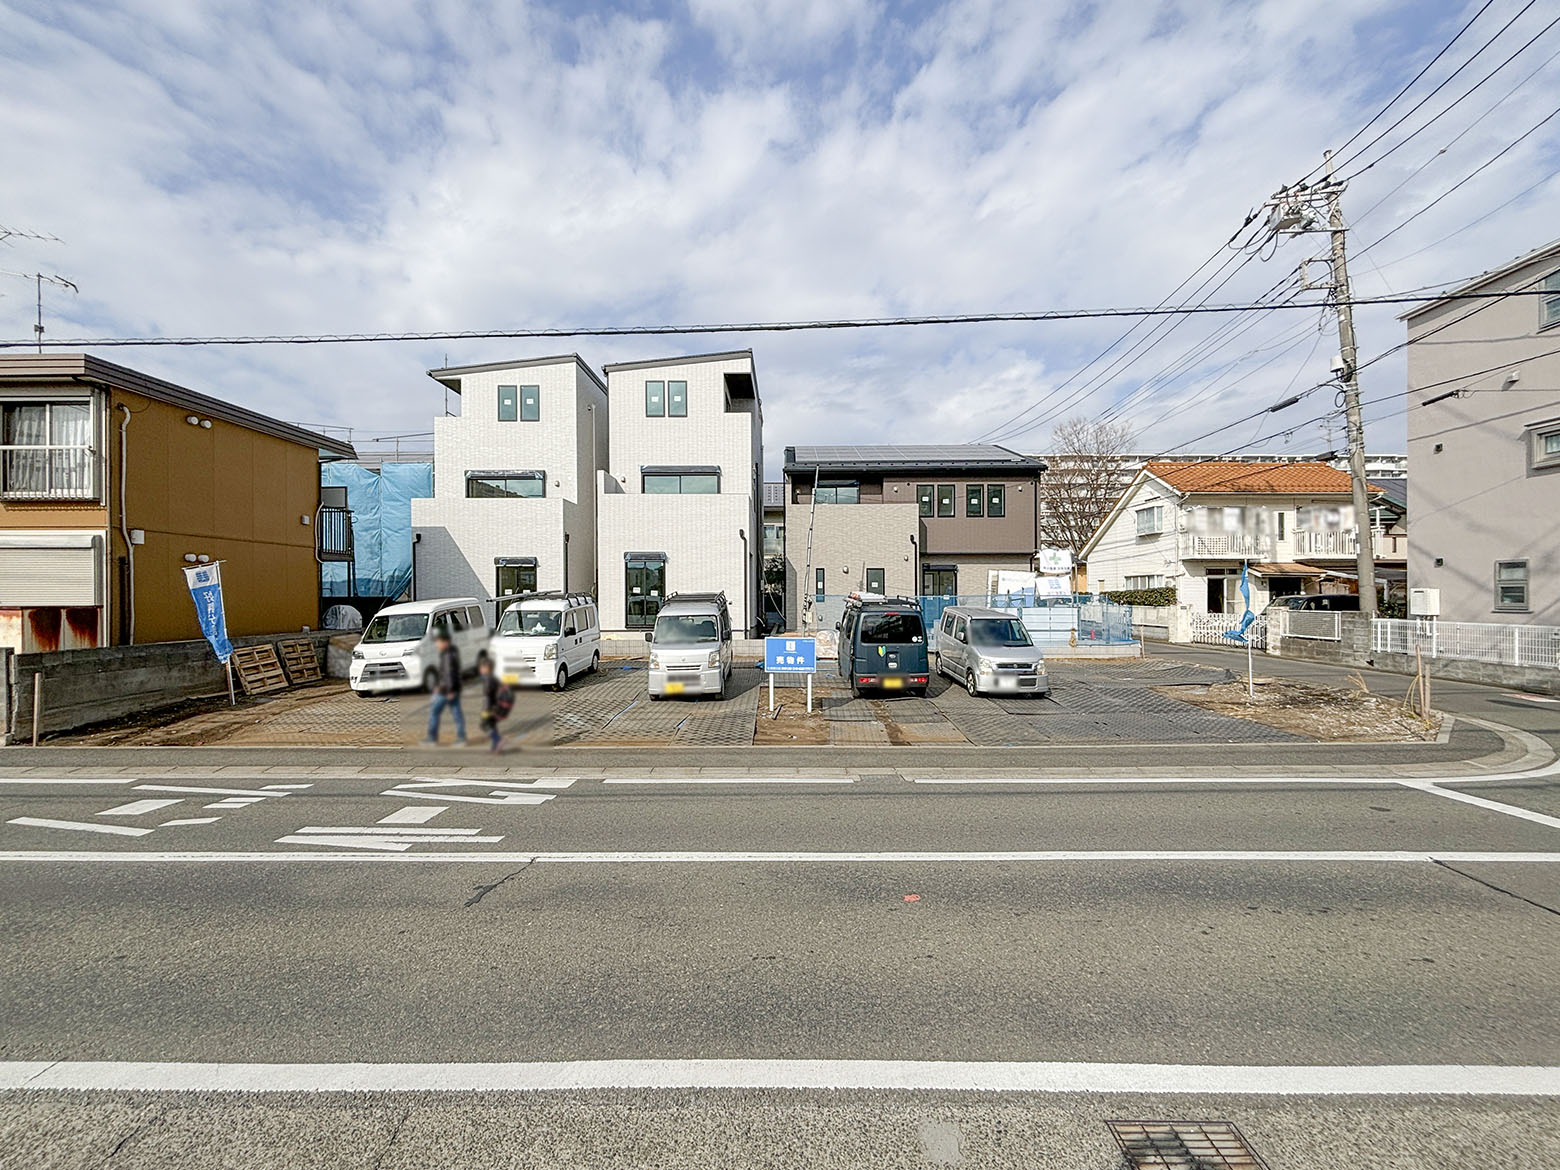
x,y
526,622
999,632
883,629
396,627
683,630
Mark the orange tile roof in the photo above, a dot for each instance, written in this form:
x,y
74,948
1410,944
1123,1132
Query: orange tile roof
x,y
1239,478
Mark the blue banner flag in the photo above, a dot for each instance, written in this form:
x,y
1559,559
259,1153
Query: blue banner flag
x,y
205,583
1248,617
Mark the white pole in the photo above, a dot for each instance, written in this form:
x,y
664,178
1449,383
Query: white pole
x,y
809,694
771,694
1251,692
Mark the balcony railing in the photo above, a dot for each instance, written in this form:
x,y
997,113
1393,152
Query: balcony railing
x,y
1343,543
36,472
333,534
1233,544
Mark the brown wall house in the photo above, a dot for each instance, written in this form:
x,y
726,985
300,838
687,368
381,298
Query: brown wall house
x,y
77,435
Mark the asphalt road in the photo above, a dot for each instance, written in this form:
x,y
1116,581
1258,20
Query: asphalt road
x,y
1274,953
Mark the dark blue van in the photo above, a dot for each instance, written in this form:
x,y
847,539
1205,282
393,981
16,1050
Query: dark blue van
x,y
883,645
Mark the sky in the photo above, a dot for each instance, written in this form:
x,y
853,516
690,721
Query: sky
x,y
425,165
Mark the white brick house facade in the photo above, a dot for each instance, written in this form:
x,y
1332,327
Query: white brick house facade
x,y
705,542
461,540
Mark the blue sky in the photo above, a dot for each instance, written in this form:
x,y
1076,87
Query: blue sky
x,y
427,164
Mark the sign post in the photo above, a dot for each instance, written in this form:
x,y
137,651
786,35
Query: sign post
x,y
205,582
790,656
1243,633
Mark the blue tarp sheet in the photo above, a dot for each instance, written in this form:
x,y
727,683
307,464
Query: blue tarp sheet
x,y
381,504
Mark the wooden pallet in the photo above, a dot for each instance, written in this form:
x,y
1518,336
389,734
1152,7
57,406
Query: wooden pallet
x,y
302,663
259,669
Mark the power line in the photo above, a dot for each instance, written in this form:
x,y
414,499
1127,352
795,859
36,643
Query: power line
x,y
1528,190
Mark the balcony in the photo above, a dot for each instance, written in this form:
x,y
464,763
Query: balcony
x,y
1345,542
1228,546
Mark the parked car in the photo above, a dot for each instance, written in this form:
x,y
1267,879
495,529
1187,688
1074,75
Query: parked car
x,y
690,647
545,639
1294,601
1331,602
397,651
989,650
883,644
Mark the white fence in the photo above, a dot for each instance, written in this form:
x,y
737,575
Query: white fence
x,y
1210,628
1501,645
1321,627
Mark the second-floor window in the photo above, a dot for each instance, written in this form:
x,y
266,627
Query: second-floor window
x,y
47,452
974,500
945,499
1151,521
522,403
996,499
699,483
1549,306
839,493
497,485
666,399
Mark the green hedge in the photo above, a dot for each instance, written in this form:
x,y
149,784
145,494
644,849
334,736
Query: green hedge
x,y
1165,595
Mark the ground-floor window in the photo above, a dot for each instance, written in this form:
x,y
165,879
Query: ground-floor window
x,y
644,589
875,580
514,575
939,580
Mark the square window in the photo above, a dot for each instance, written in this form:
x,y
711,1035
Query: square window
x,y
1544,454
508,403
1552,443
655,399
1511,585
996,499
1549,307
945,499
818,594
923,495
530,403
875,581
974,500
677,399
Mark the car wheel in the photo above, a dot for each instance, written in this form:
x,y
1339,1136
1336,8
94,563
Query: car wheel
x,y
919,692
969,684
362,694
563,678
430,680
595,662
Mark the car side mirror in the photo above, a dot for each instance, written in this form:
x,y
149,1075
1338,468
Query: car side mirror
x,y
836,625
647,635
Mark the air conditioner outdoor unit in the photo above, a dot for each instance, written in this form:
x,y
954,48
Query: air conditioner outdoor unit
x,y
1424,602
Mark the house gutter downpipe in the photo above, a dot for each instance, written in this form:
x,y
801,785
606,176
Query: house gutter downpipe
x,y
124,524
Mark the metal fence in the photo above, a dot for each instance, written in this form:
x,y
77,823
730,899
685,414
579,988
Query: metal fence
x,y
1501,645
1210,628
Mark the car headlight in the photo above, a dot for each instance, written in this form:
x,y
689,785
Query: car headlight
x,y
714,660
551,651
358,654
1039,668
985,668
655,661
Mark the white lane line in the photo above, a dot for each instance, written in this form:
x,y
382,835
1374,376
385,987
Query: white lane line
x,y
136,807
935,1075
194,791
1509,810
496,798
375,831
1109,781
384,840
190,821
730,780
62,780
464,782
412,814
348,842
289,787
79,826
230,802
113,857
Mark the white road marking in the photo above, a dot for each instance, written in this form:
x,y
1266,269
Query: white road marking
x,y
412,815
375,831
463,782
347,842
190,821
398,840
62,780
79,826
256,792
113,857
1109,781
893,1075
729,780
230,802
1509,810
289,787
136,807
496,798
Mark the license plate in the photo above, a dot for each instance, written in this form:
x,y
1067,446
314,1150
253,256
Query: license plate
x,y
674,688
893,684
1007,684
511,679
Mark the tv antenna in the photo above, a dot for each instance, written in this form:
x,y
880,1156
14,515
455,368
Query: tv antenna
x,y
39,279
10,233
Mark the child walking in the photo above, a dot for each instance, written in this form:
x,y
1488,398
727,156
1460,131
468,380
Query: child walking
x,y
497,700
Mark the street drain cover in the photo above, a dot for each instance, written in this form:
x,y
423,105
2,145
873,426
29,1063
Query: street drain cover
x,y
1184,1145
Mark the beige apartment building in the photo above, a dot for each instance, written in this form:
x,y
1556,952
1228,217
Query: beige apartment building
x,y
1484,445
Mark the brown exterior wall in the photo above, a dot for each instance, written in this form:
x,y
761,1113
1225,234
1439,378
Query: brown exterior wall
x,y
1013,534
232,494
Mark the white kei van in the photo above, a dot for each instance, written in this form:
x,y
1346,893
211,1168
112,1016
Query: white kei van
x,y
545,639
397,650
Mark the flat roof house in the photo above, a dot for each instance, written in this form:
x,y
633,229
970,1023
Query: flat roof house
x,y
682,497
920,520
112,480
1484,445
513,508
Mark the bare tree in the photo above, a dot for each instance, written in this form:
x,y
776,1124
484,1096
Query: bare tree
x,y
1087,470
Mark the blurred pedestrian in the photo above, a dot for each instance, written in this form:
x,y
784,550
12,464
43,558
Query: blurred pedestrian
x,y
497,701
446,691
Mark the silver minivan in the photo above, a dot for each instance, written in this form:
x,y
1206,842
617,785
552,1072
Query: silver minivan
x,y
990,651
690,648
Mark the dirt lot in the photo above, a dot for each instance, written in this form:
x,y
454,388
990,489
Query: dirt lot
x,y
1315,712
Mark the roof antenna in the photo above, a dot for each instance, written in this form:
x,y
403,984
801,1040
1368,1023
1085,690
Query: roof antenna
x,y
39,280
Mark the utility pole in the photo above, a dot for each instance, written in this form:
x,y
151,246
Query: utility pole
x,y
1294,212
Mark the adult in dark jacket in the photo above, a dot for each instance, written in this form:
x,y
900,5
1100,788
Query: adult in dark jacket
x,y
446,692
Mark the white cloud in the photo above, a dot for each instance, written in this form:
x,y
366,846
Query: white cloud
x,y
297,168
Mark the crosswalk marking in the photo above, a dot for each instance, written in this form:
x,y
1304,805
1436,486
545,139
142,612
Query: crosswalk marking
x,y
412,815
189,821
138,807
80,826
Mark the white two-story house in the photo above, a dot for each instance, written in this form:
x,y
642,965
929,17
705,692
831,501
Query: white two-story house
x,y
681,500
1192,527
513,507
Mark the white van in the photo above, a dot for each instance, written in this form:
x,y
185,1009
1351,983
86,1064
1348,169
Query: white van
x,y
545,639
397,650
690,647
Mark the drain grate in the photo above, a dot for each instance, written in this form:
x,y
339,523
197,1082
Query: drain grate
x,y
1184,1145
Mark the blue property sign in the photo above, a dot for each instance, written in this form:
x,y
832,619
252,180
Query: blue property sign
x,y
205,583
791,655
